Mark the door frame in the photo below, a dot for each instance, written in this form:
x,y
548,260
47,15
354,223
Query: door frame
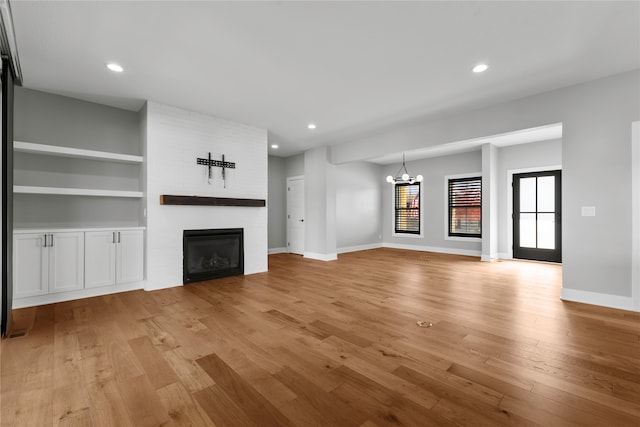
x,y
635,215
289,179
510,173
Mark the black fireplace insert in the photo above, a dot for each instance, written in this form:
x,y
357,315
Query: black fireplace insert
x,y
211,254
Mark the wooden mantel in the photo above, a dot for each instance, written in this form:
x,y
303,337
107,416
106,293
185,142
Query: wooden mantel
x,y
166,199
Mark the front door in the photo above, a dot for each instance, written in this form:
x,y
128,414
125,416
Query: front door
x,y
537,216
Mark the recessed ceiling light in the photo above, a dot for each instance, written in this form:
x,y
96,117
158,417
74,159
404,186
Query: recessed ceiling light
x,y
115,67
480,68
274,146
311,126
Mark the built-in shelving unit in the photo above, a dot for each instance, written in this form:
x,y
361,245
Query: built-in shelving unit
x,y
76,153
27,189
76,187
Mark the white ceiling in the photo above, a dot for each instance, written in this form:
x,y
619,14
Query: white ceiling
x,y
349,67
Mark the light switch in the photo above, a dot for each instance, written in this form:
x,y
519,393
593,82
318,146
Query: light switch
x,y
588,211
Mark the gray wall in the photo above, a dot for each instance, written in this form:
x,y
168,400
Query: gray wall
x,y
277,203
526,156
434,171
358,204
596,152
294,166
44,118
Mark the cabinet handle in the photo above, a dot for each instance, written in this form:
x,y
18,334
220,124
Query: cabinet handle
x,y
45,240
51,241
118,237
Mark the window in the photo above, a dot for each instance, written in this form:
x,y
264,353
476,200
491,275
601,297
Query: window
x,y
465,207
407,208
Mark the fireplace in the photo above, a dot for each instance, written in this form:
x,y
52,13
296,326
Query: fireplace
x,y
211,254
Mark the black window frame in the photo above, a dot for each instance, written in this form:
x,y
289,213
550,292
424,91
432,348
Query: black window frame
x,y
451,182
397,210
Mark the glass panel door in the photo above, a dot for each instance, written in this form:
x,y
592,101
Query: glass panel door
x,y
537,216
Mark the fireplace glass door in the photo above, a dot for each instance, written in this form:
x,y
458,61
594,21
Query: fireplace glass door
x,y
211,254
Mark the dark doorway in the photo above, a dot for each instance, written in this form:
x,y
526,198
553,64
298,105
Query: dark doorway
x,y
537,216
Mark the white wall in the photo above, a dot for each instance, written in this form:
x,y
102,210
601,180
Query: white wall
x,y
538,155
358,205
277,204
434,171
175,138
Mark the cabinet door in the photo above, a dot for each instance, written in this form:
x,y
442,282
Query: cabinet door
x,y
66,262
30,265
129,256
99,258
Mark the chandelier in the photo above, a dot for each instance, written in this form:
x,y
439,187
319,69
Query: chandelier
x,y
405,177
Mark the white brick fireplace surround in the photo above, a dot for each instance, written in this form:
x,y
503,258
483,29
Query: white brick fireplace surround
x,y
174,139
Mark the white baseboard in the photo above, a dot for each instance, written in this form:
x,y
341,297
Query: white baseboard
x,y
451,251
277,251
73,295
347,249
595,298
504,255
321,257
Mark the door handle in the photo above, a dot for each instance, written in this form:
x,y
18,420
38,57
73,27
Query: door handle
x,y
45,240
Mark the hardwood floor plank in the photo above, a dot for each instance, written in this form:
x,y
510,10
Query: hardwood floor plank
x,y
107,404
143,403
155,366
221,409
331,410
191,375
314,343
256,407
182,408
71,406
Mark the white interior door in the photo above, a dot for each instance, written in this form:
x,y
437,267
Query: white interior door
x,y
295,215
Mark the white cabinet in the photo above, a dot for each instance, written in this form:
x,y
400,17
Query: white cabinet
x,y
113,257
48,263
66,261
100,258
30,265
129,256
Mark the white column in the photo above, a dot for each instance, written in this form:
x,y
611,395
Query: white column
x,y
320,205
489,202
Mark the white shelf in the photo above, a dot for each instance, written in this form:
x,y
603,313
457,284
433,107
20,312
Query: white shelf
x,y
26,189
77,153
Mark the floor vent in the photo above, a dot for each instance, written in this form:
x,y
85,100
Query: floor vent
x,y
18,333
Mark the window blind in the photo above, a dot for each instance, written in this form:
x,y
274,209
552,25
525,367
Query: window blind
x,y
465,207
407,208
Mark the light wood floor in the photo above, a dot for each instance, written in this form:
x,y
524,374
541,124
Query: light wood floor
x,y
316,343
